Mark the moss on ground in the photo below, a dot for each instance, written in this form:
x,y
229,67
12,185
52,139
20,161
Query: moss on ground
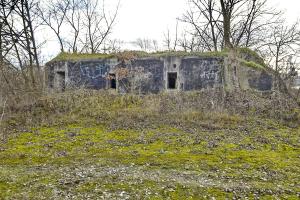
x,y
117,147
263,160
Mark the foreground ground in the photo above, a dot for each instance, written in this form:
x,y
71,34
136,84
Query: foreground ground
x,y
122,149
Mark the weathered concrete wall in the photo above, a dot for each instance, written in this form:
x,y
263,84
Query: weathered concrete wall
x,y
260,80
240,76
55,79
90,73
152,75
200,73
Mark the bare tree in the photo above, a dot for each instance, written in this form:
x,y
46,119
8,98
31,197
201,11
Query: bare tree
x,y
113,45
279,49
229,23
227,9
190,43
73,18
282,43
143,44
251,21
20,70
204,16
17,19
155,45
53,15
169,43
97,23
89,21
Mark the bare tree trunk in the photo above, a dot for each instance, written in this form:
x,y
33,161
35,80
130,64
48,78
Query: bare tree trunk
x,y
20,46
1,46
212,26
32,37
28,43
226,12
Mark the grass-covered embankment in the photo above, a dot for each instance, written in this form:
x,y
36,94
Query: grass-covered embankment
x,y
154,147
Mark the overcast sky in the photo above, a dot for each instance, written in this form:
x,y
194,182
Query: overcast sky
x,y
151,18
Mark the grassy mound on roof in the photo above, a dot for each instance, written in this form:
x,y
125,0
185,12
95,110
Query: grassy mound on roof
x,y
133,54
253,55
249,57
63,56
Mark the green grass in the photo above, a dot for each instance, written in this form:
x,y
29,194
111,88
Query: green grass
x,y
117,147
253,65
258,59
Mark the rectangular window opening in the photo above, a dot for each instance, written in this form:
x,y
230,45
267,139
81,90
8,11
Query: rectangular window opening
x,y
113,81
61,80
172,80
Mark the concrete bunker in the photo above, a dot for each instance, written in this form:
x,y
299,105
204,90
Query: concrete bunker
x,y
155,74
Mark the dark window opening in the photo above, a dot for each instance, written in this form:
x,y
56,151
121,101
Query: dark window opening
x,y
172,80
51,80
174,65
61,80
113,81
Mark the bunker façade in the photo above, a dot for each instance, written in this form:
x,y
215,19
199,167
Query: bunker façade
x,y
154,74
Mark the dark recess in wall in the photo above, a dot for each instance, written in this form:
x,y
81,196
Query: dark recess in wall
x,y
61,76
172,79
113,82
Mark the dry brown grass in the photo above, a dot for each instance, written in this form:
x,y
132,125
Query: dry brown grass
x,y
134,111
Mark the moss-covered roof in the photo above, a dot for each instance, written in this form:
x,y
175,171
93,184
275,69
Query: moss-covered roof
x,y
133,54
126,55
63,56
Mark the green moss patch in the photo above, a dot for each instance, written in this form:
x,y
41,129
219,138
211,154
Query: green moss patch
x,y
67,158
252,64
95,145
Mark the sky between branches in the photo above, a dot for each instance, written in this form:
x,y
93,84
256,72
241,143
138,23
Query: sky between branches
x,y
152,18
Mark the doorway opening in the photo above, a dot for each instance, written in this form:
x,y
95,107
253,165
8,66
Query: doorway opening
x,y
113,81
61,80
172,80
